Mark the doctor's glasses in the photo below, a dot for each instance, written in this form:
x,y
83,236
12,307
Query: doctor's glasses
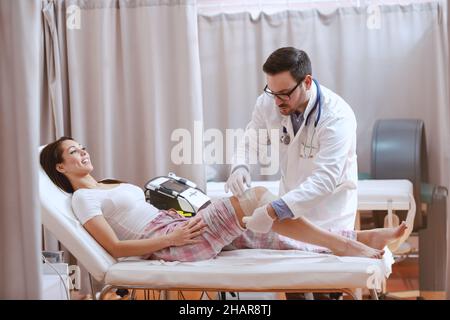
x,y
282,96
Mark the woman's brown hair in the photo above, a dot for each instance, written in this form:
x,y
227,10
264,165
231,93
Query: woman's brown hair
x,y
50,156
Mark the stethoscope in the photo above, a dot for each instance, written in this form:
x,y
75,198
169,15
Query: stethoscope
x,y
285,137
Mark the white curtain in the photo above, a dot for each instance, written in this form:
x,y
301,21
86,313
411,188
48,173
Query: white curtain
x,y
448,142
20,226
126,75
121,76
386,62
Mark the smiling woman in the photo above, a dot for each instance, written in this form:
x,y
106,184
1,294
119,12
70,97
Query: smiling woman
x,y
77,158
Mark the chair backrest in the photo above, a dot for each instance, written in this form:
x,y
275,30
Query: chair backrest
x,y
59,219
399,152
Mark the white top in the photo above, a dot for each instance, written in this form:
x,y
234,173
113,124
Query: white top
x,y
124,208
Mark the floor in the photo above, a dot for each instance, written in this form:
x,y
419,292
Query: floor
x,y
404,280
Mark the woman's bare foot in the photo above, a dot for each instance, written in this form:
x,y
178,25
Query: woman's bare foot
x,y
357,249
379,238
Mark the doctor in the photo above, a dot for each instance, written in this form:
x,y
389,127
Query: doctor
x,y
317,147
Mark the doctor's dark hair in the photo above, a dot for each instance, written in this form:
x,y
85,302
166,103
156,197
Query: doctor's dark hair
x,y
50,156
289,59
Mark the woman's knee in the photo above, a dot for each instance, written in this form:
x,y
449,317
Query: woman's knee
x,y
259,191
254,194
263,195
253,198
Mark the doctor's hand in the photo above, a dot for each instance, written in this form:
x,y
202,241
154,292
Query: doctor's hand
x,y
235,182
260,221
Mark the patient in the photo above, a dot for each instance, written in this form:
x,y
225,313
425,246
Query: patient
x,y
118,217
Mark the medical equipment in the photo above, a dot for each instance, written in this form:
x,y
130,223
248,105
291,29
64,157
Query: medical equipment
x,y
285,137
252,270
433,250
59,269
399,151
173,192
53,256
389,195
317,105
305,146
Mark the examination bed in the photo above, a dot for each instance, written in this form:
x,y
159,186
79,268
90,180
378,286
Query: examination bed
x,y
248,270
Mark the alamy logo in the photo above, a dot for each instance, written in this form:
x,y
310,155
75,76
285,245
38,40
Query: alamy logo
x,y
212,146
73,17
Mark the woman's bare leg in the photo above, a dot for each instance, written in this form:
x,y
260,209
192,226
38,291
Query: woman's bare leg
x,y
303,230
381,237
374,239
369,242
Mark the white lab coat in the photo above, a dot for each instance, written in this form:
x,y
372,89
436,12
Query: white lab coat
x,y
321,188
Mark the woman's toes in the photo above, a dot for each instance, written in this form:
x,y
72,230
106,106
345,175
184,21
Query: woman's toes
x,y
400,230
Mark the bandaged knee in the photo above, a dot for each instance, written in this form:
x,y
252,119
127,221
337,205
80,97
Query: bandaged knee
x,y
254,198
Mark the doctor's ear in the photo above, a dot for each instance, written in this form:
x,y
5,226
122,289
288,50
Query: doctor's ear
x,y
308,81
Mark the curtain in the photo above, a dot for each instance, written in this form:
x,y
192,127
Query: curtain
x,y
448,143
51,118
123,75
20,235
386,62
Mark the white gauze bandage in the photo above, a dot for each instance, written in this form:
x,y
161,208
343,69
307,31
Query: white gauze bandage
x,y
254,198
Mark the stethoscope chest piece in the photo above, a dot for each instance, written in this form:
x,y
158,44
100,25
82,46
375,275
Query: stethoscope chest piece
x,y
285,137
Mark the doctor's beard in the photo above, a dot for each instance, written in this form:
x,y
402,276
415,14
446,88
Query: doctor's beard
x,y
285,109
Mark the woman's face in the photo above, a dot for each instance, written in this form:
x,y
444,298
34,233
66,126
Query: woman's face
x,y
76,160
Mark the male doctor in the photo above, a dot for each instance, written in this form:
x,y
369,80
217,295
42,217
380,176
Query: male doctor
x,y
317,147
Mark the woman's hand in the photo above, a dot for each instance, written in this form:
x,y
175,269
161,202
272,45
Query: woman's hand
x,y
186,233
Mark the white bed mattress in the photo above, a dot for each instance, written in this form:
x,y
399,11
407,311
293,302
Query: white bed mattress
x,y
256,269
